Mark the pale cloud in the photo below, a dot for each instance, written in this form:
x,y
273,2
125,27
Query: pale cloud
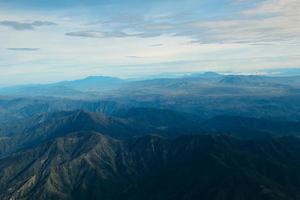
x,y
21,26
256,37
282,7
90,34
271,21
268,21
23,49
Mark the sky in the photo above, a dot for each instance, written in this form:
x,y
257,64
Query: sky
x,y
47,41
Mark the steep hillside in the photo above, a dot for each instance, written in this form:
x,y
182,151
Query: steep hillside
x,y
133,122
88,165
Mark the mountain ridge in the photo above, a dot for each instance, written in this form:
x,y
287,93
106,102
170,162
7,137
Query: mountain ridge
x,y
66,167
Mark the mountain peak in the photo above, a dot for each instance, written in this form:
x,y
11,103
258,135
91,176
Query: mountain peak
x,y
100,78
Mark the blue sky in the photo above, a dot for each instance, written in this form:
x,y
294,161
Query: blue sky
x,y
46,41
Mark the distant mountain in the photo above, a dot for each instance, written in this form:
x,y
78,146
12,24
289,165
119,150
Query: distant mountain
x,y
283,72
261,81
201,84
88,165
251,96
41,90
240,79
75,89
204,75
92,83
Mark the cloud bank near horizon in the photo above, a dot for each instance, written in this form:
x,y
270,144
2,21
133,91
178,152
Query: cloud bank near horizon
x,y
133,38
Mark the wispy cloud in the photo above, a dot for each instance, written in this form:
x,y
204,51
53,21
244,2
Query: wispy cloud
x,y
88,34
267,21
225,34
135,57
156,45
23,49
21,26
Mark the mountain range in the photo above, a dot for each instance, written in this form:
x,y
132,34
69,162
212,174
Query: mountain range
x,y
200,136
